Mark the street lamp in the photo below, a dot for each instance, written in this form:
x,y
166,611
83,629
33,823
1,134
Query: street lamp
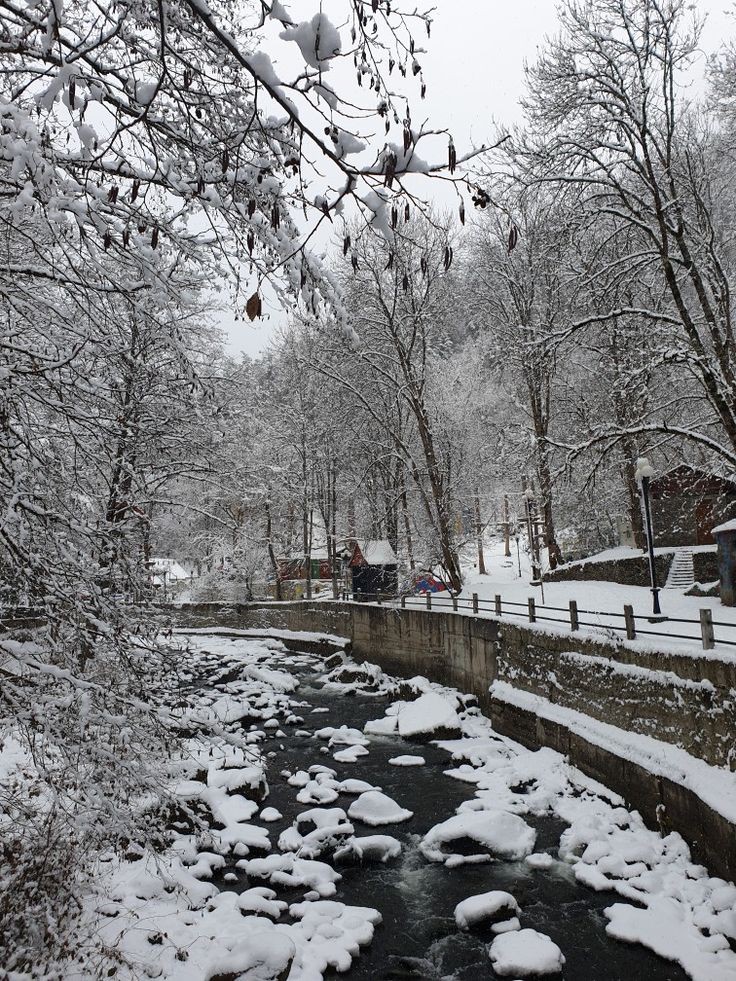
x,y
644,472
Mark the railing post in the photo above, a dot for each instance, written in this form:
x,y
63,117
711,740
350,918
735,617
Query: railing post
x,y
454,602
574,622
378,598
475,602
532,610
429,601
403,602
706,629
498,604
629,621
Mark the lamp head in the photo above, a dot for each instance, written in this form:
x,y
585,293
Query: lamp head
x,y
643,469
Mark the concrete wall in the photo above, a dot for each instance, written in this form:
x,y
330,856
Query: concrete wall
x,y
687,701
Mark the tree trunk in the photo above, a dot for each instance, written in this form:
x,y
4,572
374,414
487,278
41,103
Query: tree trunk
x,y
407,526
479,535
271,552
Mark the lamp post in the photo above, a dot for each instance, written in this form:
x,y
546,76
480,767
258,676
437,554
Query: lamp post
x,y
644,472
529,502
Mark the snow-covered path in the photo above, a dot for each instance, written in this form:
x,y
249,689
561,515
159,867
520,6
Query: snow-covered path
x,y
332,841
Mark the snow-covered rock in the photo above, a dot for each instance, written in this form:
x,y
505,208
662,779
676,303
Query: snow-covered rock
x,y
527,954
382,727
351,754
407,760
269,814
345,736
371,848
355,787
484,908
260,957
375,808
478,835
429,715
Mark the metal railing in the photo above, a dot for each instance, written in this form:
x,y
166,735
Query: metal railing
x,y
627,623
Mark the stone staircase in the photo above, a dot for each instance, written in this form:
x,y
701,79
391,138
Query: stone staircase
x,y
682,572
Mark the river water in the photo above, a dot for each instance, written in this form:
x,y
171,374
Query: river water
x,y
418,937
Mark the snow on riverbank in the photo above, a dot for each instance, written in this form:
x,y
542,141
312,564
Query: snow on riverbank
x,y
177,916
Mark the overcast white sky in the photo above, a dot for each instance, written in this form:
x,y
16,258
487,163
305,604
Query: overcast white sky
x,y
474,70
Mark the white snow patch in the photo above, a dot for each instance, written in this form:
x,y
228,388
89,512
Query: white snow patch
x,y
427,714
525,953
486,906
497,834
375,808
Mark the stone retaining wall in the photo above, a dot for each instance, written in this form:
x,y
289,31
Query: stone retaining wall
x,y
634,570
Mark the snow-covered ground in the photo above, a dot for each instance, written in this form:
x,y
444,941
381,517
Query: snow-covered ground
x,y
245,893
599,599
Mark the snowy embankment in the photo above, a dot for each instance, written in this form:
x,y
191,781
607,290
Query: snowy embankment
x,y
232,897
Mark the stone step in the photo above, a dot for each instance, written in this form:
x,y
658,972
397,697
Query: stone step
x,y
682,571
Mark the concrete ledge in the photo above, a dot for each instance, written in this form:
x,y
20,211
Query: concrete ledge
x,y
698,803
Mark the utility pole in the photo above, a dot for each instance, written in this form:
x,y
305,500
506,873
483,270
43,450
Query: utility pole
x,y
506,527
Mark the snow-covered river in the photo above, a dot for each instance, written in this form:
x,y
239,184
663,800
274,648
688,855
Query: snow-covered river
x,y
475,859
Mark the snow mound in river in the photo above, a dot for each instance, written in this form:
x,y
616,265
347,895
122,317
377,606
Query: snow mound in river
x,y
430,713
488,906
527,954
478,835
375,808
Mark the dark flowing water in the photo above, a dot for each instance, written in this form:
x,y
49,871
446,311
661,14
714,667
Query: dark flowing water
x,y
418,937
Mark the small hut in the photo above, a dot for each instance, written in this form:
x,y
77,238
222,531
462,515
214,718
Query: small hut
x,y
374,568
687,503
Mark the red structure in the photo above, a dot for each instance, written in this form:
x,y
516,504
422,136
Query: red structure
x,y
296,568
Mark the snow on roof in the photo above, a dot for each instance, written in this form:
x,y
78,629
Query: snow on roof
x,y
377,552
726,526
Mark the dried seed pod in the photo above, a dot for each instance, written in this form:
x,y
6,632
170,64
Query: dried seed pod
x,y
254,307
390,169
